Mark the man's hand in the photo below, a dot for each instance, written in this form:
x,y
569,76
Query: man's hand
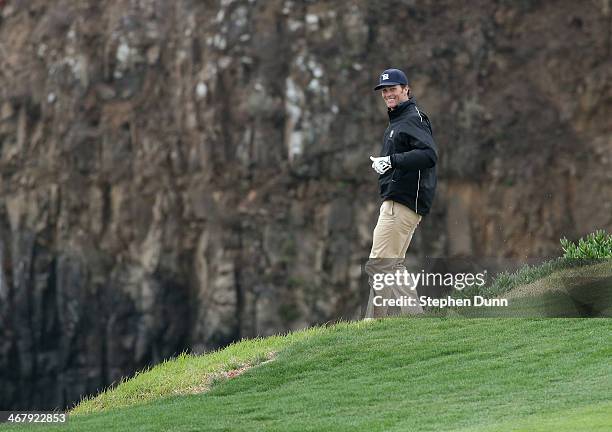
x,y
381,164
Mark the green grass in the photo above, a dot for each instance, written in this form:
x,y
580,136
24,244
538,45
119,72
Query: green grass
x,y
591,418
397,374
189,374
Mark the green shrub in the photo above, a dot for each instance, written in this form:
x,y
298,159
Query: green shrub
x,y
596,245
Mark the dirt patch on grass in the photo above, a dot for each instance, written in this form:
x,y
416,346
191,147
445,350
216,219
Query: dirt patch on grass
x,y
214,378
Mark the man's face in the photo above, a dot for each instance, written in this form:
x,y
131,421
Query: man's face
x,y
394,95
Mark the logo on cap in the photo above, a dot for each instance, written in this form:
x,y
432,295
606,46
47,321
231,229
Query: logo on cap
x,y
390,77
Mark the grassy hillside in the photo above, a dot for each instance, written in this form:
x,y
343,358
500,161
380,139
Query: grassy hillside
x,y
560,288
425,374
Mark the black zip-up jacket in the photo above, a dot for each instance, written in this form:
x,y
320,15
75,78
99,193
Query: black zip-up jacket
x,y
409,141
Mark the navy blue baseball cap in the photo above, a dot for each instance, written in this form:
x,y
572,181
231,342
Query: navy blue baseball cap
x,y
391,77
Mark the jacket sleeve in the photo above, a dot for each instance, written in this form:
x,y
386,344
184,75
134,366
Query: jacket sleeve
x,y
423,153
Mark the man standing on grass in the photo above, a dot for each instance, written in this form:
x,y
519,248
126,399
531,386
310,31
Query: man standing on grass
x,y
407,183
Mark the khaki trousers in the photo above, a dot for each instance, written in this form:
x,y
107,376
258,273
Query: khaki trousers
x,y
392,235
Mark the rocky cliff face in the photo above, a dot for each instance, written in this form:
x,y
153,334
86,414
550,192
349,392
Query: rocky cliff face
x,y
177,175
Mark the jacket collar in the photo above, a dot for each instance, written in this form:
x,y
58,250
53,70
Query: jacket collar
x,y
401,108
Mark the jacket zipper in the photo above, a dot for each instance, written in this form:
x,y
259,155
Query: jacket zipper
x,y
416,201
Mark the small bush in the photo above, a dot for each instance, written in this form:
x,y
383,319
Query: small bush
x,y
596,245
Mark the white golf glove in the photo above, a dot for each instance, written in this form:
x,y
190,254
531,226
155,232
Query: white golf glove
x,y
381,164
